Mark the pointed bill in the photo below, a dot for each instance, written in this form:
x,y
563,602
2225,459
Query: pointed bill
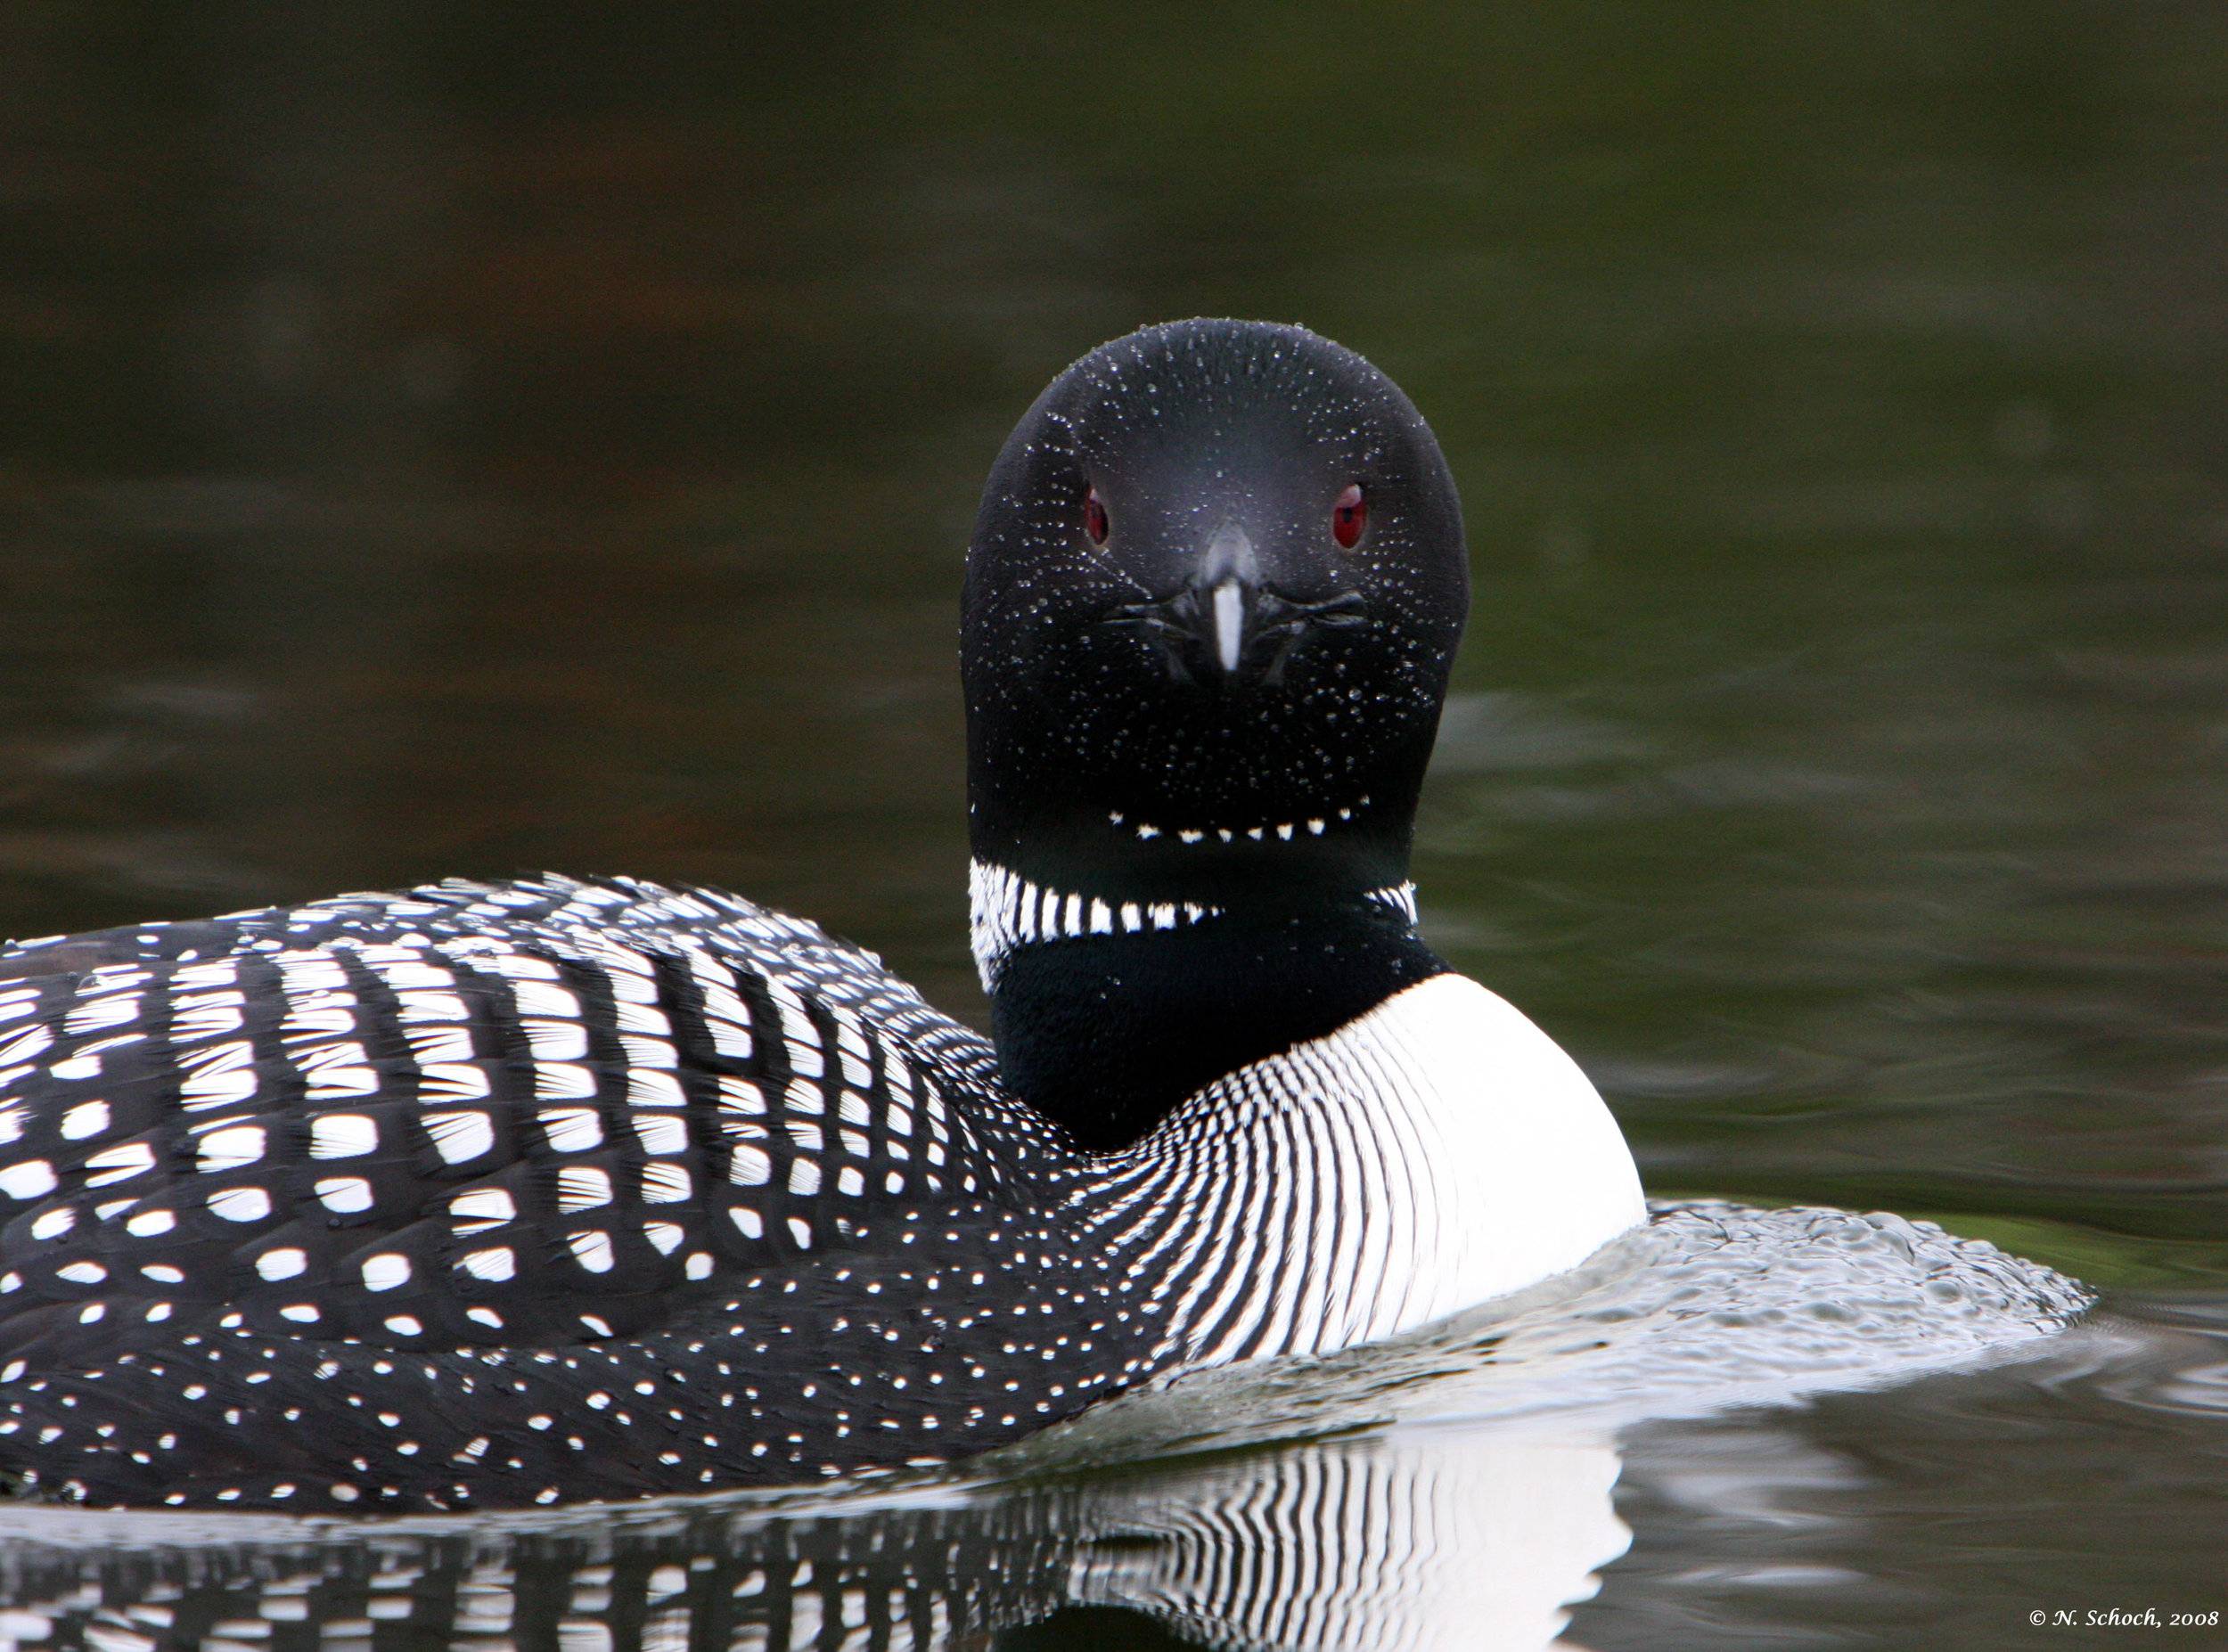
x,y
1230,623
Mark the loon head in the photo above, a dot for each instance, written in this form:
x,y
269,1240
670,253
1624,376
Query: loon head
x,y
1214,591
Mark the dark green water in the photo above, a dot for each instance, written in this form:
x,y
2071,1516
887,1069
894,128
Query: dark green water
x,y
430,448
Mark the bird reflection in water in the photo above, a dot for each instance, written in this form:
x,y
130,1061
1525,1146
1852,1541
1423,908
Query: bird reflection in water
x,y
1420,1538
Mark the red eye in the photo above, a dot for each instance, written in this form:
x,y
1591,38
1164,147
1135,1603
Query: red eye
x,y
1349,516
1094,517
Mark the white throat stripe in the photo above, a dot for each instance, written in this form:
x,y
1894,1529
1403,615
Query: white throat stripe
x,y
1006,910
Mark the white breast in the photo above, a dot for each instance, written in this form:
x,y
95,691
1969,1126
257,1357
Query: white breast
x,y
1436,1152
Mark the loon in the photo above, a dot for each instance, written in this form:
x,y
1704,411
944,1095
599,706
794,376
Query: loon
x,y
492,1195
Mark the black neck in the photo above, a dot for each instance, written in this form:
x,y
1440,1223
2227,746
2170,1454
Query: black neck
x,y
1107,1034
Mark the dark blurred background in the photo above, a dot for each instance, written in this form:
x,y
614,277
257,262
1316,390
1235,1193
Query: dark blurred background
x,y
435,439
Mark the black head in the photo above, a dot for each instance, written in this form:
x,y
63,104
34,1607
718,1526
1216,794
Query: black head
x,y
1215,589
